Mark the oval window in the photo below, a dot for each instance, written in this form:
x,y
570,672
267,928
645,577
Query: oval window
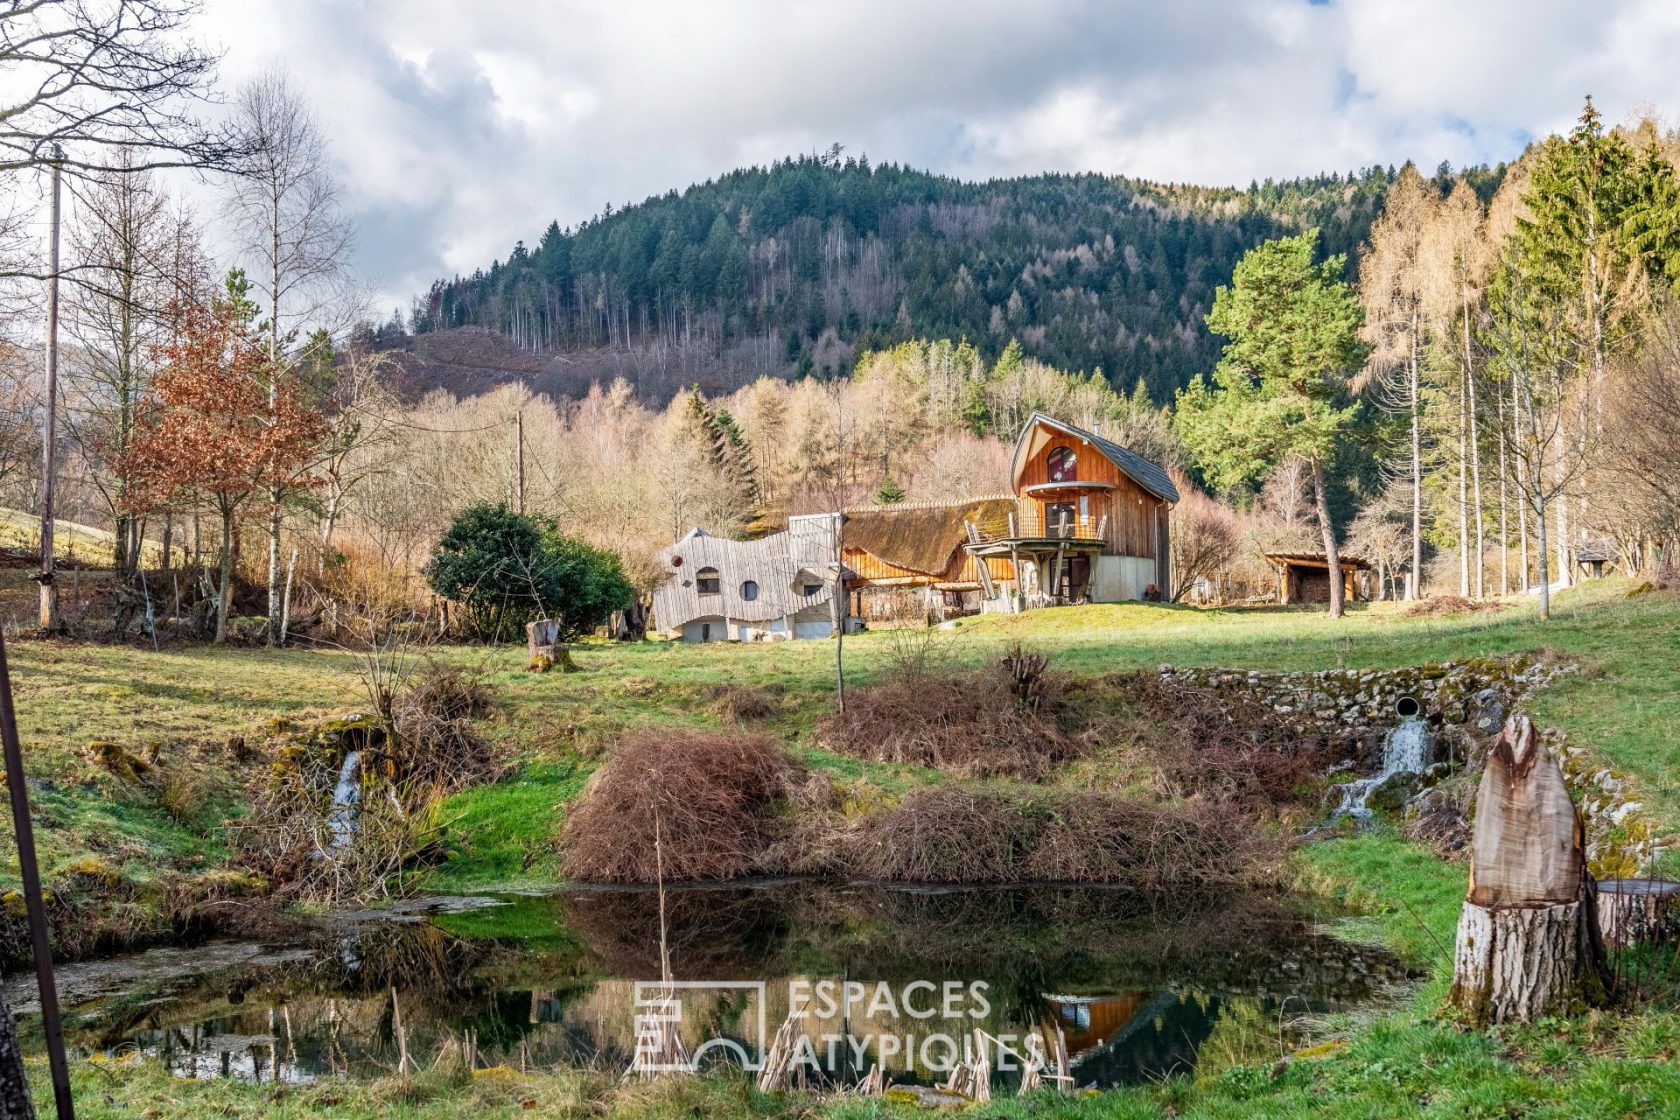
x,y
749,591
1062,464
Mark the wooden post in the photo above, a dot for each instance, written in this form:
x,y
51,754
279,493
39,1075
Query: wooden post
x,y
1528,940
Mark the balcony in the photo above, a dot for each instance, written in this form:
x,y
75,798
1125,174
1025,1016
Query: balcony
x,y
1026,524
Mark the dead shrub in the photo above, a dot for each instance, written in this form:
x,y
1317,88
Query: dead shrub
x,y
1002,720
427,747
949,834
1439,606
433,745
1226,745
746,703
709,796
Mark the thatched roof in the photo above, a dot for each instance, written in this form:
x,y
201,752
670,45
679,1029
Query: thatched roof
x,y
922,537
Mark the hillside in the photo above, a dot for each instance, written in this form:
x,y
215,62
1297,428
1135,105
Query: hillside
x,y
794,268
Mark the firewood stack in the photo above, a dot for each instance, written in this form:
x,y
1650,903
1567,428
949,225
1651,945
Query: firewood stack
x,y
1528,940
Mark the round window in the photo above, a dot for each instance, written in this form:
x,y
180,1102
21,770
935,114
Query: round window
x,y
749,591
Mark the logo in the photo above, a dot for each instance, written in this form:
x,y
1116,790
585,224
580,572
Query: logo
x,y
659,1018
833,1029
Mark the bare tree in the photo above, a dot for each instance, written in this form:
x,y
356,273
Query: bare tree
x,y
1642,432
113,82
284,203
128,250
361,433
1205,535
1532,345
1392,284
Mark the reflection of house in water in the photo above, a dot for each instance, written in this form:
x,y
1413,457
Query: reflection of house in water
x,y
1132,1038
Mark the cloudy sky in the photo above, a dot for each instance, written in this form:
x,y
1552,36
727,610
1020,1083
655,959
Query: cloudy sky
x,y
464,125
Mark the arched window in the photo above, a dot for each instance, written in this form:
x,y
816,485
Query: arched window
x,y
706,582
1062,463
749,591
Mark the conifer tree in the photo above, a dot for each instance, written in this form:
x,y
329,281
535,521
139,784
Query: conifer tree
x,y
1279,391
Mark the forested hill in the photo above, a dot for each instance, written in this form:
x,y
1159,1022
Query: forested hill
x,y
793,269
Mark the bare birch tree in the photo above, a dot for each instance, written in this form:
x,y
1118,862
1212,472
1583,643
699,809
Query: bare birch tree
x,y
131,255
284,203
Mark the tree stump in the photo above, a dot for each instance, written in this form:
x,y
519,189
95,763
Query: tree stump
x,y
1528,940
1634,910
543,647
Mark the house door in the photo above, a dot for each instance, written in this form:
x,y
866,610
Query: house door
x,y
1061,518
1073,578
705,631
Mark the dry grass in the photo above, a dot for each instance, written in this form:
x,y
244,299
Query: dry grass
x,y
997,721
1215,743
707,796
950,834
1441,606
746,703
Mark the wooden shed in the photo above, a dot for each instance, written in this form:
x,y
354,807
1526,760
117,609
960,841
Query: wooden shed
x,y
1304,577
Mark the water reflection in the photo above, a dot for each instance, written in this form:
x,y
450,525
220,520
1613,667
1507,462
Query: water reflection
x,y
1139,989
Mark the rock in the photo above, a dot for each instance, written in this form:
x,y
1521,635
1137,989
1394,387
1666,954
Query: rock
x,y
1392,793
1487,711
1434,817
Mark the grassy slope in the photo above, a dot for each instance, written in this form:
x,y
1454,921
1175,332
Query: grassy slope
x,y
1404,1064
1626,706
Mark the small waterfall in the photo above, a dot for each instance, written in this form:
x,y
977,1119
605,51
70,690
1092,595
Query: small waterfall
x,y
343,817
1405,751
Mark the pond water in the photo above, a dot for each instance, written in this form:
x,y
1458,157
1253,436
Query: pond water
x,y
1138,988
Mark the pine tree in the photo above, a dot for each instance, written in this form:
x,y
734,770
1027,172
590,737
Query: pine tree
x,y
1279,389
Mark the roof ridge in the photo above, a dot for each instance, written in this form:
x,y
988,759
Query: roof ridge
x,y
929,504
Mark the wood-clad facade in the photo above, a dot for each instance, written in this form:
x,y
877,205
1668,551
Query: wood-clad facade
x,y
1091,520
1086,520
1131,516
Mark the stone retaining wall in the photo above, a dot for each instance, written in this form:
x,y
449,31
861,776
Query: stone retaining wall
x,y
1466,702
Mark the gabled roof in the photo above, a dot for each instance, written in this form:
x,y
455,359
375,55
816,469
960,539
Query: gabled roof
x,y
1146,474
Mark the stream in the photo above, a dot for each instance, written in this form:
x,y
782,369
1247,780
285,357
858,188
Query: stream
x,y
1140,988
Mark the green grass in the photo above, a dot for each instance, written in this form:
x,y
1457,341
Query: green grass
x,y
503,836
1405,1062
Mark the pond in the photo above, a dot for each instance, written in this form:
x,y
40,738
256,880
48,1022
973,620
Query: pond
x,y
1137,988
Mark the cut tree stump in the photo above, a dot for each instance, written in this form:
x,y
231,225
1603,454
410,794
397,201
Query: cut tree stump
x,y
543,648
1634,910
1528,939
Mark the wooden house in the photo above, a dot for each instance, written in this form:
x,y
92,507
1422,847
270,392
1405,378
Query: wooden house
x,y
1304,577
1086,521
1089,521
916,554
781,586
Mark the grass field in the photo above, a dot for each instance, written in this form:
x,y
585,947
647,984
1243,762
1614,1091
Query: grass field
x,y
1625,707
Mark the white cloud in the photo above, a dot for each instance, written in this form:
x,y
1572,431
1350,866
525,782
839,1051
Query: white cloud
x,y
462,127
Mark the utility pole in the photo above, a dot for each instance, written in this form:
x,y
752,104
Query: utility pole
x,y
49,439
519,465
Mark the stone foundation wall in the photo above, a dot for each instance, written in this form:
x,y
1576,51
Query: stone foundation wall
x,y
1473,693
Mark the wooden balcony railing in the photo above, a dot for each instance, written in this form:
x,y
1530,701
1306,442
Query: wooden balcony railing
x,y
1026,522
